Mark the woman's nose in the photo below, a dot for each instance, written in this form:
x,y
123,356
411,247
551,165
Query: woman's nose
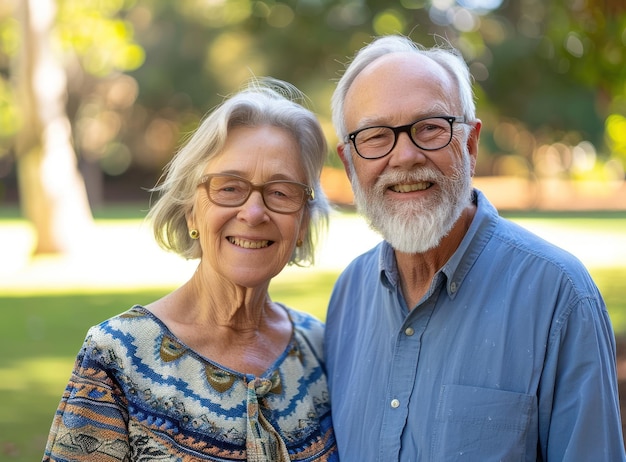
x,y
254,209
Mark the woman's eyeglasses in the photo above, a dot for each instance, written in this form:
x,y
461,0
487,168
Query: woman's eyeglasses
x,y
280,196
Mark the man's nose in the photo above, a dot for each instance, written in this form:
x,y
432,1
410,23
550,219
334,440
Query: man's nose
x,y
405,153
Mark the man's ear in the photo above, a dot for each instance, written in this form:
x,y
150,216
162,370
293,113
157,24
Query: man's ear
x,y
344,160
472,143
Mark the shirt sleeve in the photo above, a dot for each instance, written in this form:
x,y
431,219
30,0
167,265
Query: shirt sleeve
x,y
91,420
579,408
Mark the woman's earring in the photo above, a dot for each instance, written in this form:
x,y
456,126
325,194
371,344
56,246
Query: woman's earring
x,y
194,234
299,243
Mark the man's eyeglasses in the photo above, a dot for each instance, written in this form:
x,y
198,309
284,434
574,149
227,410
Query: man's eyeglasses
x,y
279,196
429,134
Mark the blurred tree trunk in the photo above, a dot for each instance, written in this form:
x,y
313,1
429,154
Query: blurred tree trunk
x,y
52,191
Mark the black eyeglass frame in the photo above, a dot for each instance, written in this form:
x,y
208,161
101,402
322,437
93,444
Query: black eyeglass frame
x,y
205,181
405,129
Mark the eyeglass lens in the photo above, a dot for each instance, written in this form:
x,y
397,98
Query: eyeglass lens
x,y
429,134
278,196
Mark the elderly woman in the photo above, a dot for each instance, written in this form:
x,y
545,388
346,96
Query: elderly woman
x,y
216,370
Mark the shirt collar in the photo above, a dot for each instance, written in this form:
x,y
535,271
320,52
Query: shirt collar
x,y
459,264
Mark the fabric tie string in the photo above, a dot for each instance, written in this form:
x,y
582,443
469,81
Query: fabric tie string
x,y
263,443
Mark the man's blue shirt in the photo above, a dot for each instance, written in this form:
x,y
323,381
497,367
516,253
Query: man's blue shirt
x,y
509,356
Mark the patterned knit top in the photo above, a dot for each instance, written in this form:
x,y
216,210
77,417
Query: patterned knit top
x,y
138,393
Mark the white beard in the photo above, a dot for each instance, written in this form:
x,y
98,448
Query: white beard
x,y
418,226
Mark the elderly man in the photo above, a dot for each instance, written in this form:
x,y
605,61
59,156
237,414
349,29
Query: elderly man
x,y
461,336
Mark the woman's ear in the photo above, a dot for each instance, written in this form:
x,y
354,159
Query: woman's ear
x,y
304,225
189,218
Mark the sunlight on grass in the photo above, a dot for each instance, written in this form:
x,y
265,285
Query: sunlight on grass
x,y
16,245
43,374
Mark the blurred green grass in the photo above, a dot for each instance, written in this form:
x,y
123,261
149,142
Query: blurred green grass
x,y
41,333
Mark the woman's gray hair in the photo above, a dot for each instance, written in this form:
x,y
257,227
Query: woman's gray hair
x,y
446,56
262,102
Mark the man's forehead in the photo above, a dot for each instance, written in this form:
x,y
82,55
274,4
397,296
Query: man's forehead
x,y
393,79
403,64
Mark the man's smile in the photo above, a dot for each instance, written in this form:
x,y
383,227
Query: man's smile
x,y
405,188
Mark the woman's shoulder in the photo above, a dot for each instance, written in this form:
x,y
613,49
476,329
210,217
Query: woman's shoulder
x,y
124,328
305,321
137,314
129,338
307,328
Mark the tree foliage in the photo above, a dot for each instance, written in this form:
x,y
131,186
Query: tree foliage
x,y
549,75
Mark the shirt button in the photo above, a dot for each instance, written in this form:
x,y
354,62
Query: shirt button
x,y
453,287
409,331
395,403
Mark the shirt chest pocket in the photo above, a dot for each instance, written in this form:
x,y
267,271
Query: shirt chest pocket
x,y
481,424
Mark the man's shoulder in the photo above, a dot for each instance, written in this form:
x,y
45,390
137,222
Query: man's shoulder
x,y
516,237
528,254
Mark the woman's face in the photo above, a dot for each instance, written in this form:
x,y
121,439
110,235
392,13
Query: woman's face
x,y
249,244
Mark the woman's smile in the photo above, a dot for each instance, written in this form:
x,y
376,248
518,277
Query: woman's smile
x,y
249,243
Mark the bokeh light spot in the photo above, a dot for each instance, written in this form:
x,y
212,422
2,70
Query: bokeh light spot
x,y
389,22
280,16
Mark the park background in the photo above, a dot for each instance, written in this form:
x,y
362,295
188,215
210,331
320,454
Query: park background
x,y
96,96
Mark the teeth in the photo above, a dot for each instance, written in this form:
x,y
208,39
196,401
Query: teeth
x,y
248,244
404,188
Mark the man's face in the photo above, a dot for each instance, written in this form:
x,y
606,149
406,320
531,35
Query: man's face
x,y
411,196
